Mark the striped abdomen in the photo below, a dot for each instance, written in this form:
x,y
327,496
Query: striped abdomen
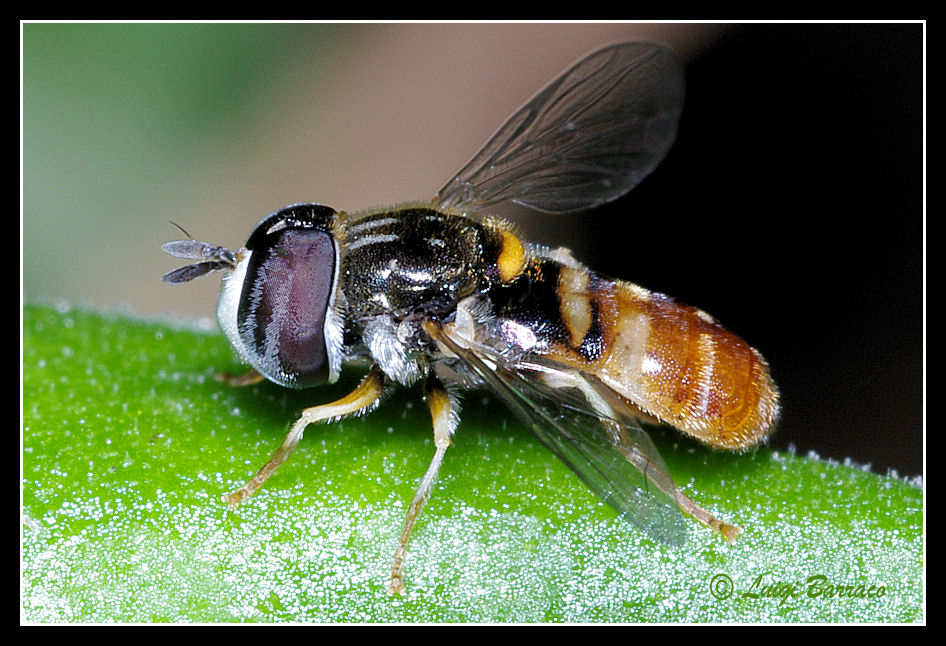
x,y
672,362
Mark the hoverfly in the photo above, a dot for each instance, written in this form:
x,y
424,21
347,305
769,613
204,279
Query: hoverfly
x,y
444,292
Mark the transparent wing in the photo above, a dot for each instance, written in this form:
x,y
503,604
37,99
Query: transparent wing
x,y
587,138
589,428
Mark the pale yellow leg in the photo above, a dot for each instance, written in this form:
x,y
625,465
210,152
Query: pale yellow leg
x,y
443,412
248,378
728,532
662,481
361,399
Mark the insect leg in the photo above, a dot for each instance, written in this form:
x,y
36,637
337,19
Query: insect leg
x,y
248,378
443,410
656,475
728,532
361,399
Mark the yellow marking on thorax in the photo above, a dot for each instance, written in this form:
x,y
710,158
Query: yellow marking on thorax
x,y
512,256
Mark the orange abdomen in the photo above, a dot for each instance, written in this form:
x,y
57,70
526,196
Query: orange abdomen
x,y
671,362
677,364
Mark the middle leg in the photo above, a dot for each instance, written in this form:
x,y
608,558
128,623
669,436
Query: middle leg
x,y
444,411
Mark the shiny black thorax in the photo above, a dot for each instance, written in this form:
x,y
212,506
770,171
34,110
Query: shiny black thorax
x,y
418,262
414,260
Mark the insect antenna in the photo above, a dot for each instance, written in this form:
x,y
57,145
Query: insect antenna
x,y
182,229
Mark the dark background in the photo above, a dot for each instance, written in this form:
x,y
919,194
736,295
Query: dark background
x,y
791,208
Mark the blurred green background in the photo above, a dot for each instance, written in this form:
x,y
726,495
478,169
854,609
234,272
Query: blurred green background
x,y
213,126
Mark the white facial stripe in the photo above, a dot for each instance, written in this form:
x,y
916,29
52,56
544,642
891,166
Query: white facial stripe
x,y
229,303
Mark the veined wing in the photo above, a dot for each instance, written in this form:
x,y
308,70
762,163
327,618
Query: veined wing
x,y
591,135
587,426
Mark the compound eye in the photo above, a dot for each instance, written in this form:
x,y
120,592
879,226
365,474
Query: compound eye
x,y
285,300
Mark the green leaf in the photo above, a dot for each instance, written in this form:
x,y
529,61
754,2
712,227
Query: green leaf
x,y
129,442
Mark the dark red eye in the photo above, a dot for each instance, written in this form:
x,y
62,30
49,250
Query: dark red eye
x,y
286,296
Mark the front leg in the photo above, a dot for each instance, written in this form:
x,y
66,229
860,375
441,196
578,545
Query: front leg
x,y
248,378
362,399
